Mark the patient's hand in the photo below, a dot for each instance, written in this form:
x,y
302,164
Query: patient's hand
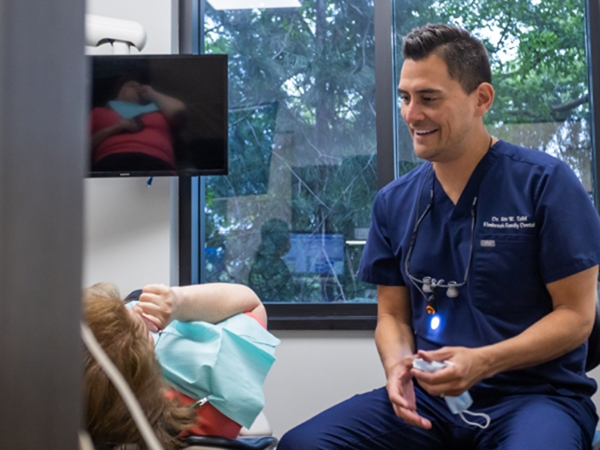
x,y
157,303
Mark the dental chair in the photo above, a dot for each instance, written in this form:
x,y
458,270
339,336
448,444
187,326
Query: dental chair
x,y
213,443
258,437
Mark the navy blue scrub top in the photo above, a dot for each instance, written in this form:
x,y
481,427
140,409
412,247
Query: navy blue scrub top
x,y
534,224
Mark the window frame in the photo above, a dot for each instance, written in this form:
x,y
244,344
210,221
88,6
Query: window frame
x,y
592,15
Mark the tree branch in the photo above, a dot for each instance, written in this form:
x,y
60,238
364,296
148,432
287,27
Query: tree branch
x,y
570,105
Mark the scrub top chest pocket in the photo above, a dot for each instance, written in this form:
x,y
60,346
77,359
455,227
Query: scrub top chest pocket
x,y
506,277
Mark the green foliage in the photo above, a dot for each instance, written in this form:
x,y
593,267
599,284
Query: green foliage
x,y
537,53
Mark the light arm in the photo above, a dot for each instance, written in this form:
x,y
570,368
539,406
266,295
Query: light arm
x,y
100,29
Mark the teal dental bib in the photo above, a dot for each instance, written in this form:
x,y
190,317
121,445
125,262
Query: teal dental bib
x,y
128,110
225,362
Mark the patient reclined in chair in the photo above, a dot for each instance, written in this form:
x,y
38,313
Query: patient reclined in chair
x,y
195,357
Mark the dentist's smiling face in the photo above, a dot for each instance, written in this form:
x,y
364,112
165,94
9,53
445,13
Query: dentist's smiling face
x,y
440,115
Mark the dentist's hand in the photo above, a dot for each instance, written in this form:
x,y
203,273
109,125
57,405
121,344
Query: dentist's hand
x,y
401,392
466,367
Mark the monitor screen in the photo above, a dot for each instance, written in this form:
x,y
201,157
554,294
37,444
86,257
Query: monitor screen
x,y
158,115
316,253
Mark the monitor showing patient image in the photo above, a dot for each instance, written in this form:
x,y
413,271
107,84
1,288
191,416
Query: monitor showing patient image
x,y
158,115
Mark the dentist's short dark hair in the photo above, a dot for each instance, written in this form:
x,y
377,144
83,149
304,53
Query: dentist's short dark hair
x,y
464,55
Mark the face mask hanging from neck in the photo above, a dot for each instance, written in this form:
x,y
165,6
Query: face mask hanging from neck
x,y
460,405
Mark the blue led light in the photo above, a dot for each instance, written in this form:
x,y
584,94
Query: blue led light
x,y
434,323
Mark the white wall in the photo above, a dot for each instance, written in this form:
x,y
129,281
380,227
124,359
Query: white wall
x,y
127,232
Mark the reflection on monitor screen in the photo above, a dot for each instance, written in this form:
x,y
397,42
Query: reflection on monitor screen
x,y
316,253
158,115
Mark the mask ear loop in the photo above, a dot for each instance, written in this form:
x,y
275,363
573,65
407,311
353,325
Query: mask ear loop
x,y
485,416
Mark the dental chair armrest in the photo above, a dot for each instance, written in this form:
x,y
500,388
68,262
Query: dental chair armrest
x,y
264,443
260,428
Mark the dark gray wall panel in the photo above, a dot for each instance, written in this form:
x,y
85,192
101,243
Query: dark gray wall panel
x,y
43,125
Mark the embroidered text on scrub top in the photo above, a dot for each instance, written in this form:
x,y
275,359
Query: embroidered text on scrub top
x,y
514,222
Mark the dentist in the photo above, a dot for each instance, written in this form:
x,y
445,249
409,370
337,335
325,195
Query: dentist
x,y
486,260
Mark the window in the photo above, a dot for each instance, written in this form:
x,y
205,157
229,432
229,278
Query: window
x,y
291,218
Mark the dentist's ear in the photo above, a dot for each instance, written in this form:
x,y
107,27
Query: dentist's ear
x,y
485,98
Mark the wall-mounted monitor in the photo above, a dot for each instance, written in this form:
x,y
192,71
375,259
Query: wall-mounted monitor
x,y
158,115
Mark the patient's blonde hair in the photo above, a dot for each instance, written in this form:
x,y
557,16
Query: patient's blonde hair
x,y
126,342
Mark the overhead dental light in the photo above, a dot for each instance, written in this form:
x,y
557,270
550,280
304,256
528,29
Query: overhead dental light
x,y
121,34
253,4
